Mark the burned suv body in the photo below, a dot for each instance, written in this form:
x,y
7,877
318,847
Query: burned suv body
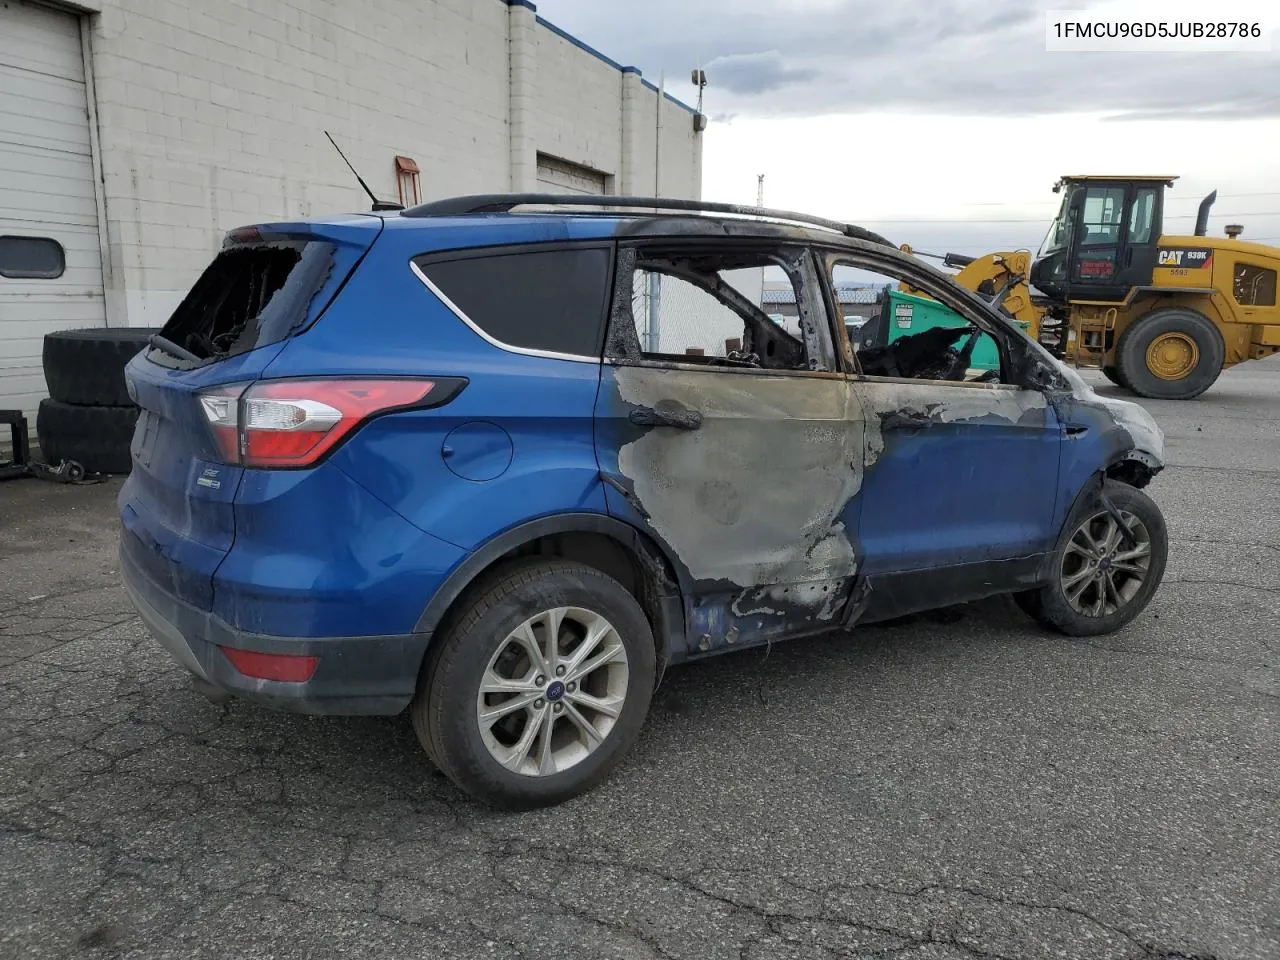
x,y
502,468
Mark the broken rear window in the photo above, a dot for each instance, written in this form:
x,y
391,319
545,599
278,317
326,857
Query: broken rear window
x,y
250,296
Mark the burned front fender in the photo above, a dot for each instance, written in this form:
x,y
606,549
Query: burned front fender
x,y
1135,431
1102,435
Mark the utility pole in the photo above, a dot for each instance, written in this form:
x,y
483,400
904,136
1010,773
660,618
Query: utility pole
x,y
655,299
760,206
654,331
657,136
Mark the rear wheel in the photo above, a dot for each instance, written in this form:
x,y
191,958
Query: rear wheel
x,y
538,687
1173,354
1101,579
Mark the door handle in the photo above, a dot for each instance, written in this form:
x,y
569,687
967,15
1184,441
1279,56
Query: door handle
x,y
904,421
666,413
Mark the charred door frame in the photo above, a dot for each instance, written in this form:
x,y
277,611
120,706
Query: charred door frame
x,y
888,595
621,346
719,610
1020,366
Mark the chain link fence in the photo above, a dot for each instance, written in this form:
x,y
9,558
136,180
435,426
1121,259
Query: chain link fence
x,y
673,316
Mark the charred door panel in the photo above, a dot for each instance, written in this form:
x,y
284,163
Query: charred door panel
x,y
747,477
732,439
956,474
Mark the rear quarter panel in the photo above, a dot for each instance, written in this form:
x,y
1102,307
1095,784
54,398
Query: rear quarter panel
x,y
514,445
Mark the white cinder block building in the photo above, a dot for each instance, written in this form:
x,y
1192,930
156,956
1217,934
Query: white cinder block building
x,y
135,133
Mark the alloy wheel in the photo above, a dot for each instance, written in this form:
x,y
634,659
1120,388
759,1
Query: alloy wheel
x,y
1101,571
552,692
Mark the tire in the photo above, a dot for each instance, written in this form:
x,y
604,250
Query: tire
x,y
1050,603
446,709
97,438
86,367
1113,374
1131,354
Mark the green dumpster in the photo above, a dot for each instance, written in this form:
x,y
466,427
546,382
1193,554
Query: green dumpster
x,y
906,314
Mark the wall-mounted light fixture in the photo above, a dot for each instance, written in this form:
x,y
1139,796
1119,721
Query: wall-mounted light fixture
x,y
407,181
699,118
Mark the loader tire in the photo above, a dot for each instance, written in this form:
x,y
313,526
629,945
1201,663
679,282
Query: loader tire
x,y
1113,374
1172,354
97,438
87,366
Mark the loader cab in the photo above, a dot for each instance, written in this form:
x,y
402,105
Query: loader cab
x,y
1104,239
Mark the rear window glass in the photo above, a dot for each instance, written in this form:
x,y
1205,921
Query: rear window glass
x,y
250,296
551,300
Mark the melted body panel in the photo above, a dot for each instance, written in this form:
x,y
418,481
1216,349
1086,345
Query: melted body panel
x,y
753,501
1100,434
753,496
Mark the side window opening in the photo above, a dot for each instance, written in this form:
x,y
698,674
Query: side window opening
x,y
709,308
1103,211
1142,216
1254,286
908,334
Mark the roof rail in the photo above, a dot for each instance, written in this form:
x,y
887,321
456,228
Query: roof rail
x,y
506,202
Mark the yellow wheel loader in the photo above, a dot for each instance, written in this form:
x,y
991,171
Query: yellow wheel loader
x,y
1160,314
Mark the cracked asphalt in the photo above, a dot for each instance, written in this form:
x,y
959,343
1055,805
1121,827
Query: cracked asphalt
x,y
956,786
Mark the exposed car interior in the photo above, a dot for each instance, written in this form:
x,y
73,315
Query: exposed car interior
x,y
940,353
943,353
763,344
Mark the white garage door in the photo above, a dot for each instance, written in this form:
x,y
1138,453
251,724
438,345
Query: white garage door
x,y
50,261
561,176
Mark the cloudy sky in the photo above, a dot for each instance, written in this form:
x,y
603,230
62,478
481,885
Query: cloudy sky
x,y
944,123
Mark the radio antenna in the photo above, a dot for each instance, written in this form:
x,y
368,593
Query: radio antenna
x,y
378,205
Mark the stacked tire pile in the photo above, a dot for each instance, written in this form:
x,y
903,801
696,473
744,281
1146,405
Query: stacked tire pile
x,y
88,416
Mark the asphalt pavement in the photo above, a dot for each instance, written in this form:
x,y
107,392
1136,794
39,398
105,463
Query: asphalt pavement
x,y
955,786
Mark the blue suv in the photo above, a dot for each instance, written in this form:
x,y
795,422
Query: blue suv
x,y
500,461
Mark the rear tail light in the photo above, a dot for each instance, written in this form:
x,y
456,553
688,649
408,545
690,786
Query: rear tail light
x,y
221,409
293,423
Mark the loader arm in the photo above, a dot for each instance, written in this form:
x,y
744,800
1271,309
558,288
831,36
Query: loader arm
x,y
991,275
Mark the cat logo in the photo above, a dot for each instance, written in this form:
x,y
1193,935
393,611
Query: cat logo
x,y
1187,258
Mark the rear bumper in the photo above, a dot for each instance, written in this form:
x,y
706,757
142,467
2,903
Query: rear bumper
x,y
355,675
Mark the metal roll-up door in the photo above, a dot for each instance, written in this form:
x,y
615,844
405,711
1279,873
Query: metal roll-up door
x,y
50,259
561,176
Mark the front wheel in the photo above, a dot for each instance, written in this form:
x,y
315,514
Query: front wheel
x,y
1100,579
1172,354
539,685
